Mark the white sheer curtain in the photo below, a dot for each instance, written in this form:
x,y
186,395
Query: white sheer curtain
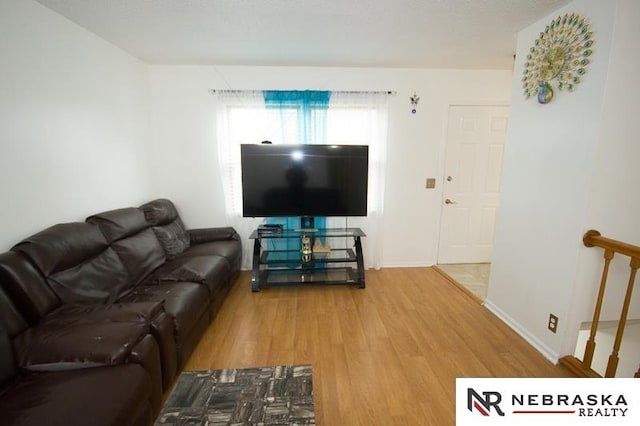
x,y
241,118
353,118
360,118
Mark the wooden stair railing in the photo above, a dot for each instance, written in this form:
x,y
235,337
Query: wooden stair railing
x,y
583,368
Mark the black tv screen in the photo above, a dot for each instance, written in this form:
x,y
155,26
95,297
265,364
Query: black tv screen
x,y
304,180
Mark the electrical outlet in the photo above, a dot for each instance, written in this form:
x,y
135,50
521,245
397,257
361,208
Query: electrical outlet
x,y
553,323
431,183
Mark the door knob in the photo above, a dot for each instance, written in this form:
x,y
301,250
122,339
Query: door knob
x,y
449,178
448,201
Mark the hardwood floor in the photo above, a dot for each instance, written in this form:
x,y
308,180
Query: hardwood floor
x,y
385,355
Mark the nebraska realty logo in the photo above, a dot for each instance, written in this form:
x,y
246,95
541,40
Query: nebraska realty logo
x,y
552,401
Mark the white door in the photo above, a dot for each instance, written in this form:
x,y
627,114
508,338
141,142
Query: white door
x,y
473,167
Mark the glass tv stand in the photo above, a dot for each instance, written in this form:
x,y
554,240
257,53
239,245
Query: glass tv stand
x,y
277,267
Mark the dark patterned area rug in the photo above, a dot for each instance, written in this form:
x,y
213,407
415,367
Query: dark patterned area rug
x,y
281,395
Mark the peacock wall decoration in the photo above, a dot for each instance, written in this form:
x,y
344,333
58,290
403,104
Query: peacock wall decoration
x,y
562,52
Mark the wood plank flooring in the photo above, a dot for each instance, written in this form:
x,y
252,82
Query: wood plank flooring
x,y
385,355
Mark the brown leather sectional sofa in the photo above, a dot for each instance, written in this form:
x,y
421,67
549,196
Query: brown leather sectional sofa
x,y
97,318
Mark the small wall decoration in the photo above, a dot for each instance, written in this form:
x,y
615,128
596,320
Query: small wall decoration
x,y
414,103
560,53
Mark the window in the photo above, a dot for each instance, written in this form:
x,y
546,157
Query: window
x,y
351,118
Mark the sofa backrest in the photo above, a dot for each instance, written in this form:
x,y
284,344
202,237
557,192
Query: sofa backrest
x,y
163,216
96,261
131,237
26,286
77,262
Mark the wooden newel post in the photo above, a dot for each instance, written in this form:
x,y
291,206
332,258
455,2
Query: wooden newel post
x,y
612,365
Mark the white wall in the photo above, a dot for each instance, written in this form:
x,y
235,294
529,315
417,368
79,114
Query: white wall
x,y
74,123
556,152
614,201
186,154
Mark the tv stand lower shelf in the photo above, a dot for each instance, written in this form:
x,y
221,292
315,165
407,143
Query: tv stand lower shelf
x,y
283,267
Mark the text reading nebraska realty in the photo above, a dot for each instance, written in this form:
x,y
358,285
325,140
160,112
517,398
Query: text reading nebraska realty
x,y
489,401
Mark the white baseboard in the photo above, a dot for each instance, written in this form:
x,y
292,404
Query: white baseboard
x,y
406,265
541,347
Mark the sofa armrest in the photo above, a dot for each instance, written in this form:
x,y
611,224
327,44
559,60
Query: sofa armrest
x,y
205,235
79,345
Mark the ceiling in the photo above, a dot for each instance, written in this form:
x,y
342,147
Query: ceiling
x,y
471,34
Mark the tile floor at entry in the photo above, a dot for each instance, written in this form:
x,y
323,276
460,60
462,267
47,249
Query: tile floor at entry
x,y
473,276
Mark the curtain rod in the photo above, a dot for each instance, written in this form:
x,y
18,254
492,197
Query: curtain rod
x,y
346,92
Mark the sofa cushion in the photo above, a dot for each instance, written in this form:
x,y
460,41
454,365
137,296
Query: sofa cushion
x,y
141,255
26,287
101,279
97,396
130,237
172,237
77,263
152,313
169,229
120,223
159,212
208,270
63,246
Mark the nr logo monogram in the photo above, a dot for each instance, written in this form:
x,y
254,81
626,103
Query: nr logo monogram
x,y
485,403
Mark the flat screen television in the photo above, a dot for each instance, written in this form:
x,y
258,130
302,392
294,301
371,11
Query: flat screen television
x,y
304,180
